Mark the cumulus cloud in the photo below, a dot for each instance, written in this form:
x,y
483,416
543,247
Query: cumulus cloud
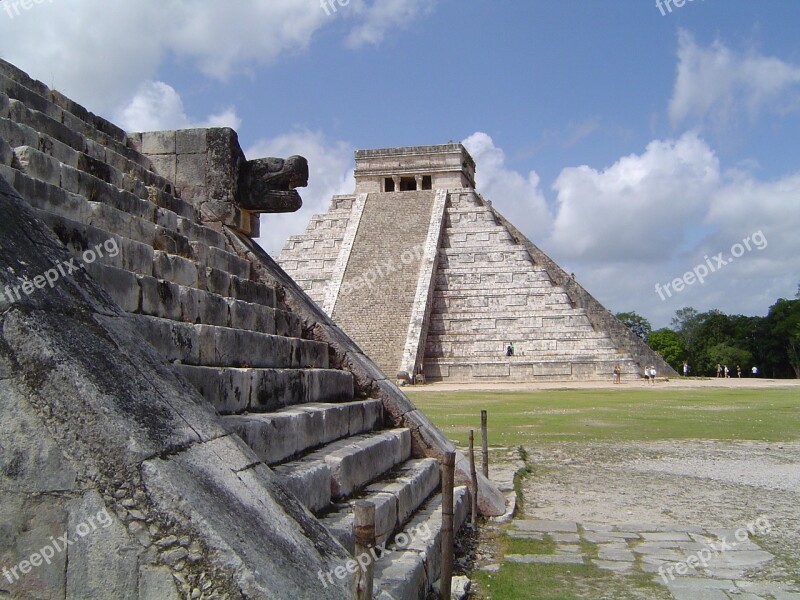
x,y
718,86
330,172
158,106
638,206
518,197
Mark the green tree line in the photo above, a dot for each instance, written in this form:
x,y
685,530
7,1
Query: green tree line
x,y
706,339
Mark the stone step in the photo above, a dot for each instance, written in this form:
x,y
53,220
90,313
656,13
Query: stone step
x,y
558,314
409,570
396,497
238,390
278,436
539,370
145,228
297,255
483,270
504,335
71,116
141,259
481,305
45,180
157,298
71,148
529,351
215,346
528,359
339,469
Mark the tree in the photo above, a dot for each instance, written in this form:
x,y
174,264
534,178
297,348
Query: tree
x,y
781,342
670,345
725,354
687,323
636,323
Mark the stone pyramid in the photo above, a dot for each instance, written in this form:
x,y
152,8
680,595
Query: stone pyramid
x,y
428,278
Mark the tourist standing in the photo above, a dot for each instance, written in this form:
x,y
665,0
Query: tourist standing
x,y
727,372
739,371
685,369
617,373
755,371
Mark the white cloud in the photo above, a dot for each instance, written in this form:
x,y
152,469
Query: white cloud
x,y
638,206
718,86
158,106
382,16
518,197
330,173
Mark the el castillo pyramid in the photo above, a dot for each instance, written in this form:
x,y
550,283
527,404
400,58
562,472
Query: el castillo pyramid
x,y
427,277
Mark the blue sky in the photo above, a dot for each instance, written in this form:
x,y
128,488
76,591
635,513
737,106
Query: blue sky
x,y
628,144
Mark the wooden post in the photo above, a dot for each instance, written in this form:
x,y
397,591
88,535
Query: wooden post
x,y
448,473
485,443
364,541
474,475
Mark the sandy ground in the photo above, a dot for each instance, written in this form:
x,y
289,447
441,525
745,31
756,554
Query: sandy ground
x,y
679,383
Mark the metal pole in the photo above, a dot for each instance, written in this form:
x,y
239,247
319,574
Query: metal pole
x,y
364,541
448,472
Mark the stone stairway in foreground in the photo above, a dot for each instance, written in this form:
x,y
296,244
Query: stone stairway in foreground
x,y
204,309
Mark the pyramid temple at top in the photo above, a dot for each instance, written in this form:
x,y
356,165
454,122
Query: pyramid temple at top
x,y
428,277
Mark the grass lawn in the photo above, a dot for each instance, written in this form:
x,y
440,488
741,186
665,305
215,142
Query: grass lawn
x,y
525,418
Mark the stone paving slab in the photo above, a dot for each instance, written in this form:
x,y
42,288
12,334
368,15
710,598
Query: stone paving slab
x,y
612,565
545,559
671,553
547,526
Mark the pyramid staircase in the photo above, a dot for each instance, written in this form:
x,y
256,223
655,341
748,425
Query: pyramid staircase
x,y
207,312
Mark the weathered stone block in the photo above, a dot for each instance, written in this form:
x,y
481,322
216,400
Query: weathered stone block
x,y
121,285
157,583
158,142
310,482
104,562
39,165
191,141
175,269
